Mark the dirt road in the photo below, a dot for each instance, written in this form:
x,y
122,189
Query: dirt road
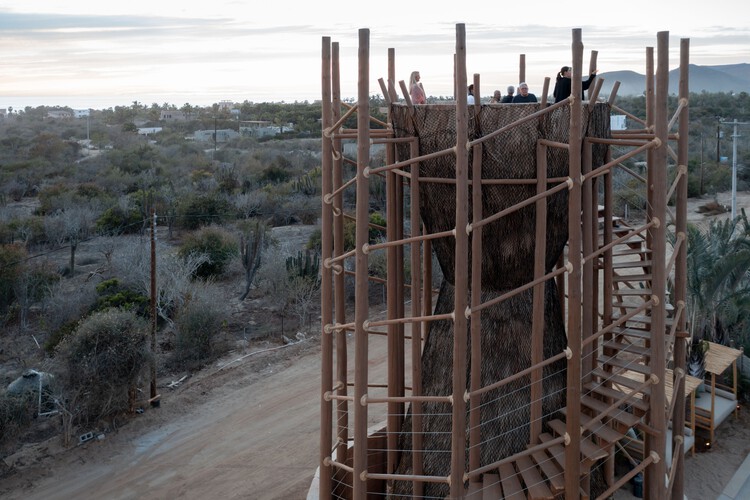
x,y
252,437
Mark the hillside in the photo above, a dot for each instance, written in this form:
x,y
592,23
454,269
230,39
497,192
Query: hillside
x,y
730,78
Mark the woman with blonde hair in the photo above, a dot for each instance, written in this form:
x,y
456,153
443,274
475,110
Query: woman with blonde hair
x,y
416,90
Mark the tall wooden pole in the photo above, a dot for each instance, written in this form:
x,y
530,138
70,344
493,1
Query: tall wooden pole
x,y
573,418
458,437
361,300
326,368
654,478
153,305
680,283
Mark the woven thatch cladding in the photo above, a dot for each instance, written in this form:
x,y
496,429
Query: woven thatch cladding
x,y
508,243
507,262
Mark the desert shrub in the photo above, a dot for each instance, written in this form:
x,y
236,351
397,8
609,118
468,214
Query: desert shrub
x,y
29,230
216,243
11,260
203,210
197,331
112,293
105,356
63,309
16,414
118,220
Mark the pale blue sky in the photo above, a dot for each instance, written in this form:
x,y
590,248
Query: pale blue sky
x,y
98,54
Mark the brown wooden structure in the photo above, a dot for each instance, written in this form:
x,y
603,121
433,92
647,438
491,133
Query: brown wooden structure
x,y
557,318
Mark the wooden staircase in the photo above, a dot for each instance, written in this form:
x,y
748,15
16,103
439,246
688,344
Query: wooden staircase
x,y
618,376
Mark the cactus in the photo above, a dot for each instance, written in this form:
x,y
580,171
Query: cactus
x,y
305,265
251,249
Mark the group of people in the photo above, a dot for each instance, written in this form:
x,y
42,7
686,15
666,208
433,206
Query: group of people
x,y
563,88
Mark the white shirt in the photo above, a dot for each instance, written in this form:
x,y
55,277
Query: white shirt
x,y
470,99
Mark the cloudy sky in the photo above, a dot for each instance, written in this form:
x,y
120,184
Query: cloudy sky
x,y
85,53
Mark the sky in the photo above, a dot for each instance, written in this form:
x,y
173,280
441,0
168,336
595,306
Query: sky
x,y
106,53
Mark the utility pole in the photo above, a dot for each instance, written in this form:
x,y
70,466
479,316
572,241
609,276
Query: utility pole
x,y
735,135
153,398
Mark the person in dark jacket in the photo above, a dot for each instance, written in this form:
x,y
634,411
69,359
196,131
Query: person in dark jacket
x,y
563,84
509,96
523,94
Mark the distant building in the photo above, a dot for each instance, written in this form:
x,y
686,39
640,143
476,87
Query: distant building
x,y
148,130
172,115
618,122
226,104
59,114
222,135
81,113
262,128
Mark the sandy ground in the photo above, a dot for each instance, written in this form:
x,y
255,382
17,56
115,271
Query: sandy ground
x,y
250,429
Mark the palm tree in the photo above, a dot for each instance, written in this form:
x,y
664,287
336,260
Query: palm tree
x,y
718,279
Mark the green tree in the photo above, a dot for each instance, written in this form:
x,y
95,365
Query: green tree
x,y
718,283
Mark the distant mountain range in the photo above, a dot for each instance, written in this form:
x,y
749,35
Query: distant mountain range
x,y
724,78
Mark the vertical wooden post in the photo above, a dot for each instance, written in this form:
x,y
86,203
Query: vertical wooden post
x,y
680,282
458,435
573,418
326,379
416,328
475,414
537,321
361,300
394,289
654,478
339,296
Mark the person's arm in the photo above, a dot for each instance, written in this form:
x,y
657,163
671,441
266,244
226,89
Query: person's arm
x,y
588,82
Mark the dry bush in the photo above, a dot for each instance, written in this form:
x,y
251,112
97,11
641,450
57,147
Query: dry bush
x,y
106,356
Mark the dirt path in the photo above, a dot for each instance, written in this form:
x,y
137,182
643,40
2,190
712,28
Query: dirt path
x,y
253,436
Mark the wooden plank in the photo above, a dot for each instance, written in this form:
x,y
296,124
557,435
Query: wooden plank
x,y
627,264
601,429
491,489
536,486
615,395
556,451
636,292
551,470
625,418
627,347
625,364
631,277
512,489
589,450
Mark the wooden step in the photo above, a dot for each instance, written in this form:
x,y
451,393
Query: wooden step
x,y
621,252
491,489
603,391
619,380
556,452
625,419
551,470
589,450
646,320
625,364
609,429
632,292
631,277
512,489
536,486
628,264
641,332
601,429
627,347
